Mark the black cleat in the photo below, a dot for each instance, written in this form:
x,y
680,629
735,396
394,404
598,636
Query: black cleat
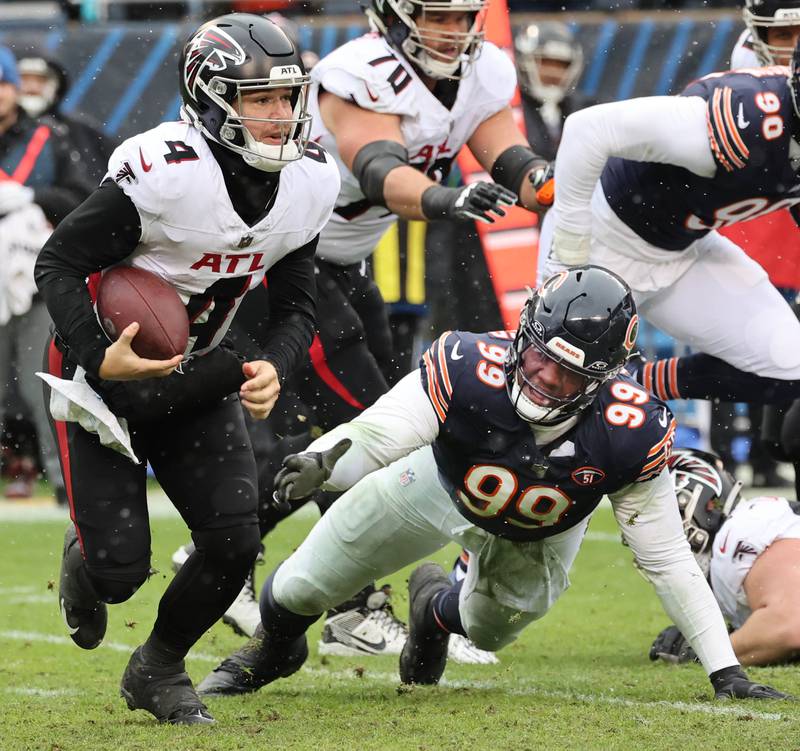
x,y
255,665
86,617
424,655
165,691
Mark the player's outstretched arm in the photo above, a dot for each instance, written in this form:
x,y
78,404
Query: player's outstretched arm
x,y
121,363
372,148
666,130
648,515
505,153
400,421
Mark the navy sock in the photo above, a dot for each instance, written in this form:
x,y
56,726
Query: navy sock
x,y
702,376
445,609
279,623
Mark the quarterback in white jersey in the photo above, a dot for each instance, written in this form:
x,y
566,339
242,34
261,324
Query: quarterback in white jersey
x,y
212,204
750,551
174,241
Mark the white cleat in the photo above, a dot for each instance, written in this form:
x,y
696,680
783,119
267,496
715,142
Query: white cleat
x,y
244,614
371,630
462,650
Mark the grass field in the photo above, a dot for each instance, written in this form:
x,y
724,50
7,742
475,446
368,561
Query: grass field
x,y
578,679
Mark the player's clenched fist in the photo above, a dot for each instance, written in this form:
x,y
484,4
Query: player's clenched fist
x,y
260,391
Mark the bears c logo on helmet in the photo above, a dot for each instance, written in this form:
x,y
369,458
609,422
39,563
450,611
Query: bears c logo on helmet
x,y
211,48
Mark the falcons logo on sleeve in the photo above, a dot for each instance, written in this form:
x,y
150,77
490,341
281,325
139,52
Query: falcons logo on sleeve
x,y
212,48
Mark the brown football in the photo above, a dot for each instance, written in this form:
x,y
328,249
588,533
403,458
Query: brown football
x,y
126,295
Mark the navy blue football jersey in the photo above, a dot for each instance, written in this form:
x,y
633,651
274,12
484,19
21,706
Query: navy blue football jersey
x,y
750,120
487,456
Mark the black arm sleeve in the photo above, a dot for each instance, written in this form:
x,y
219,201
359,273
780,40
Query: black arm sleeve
x,y
292,289
72,182
104,230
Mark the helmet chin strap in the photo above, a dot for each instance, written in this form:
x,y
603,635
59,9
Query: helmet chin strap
x,y
531,411
266,157
429,65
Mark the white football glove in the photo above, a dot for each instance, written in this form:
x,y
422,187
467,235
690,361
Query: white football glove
x,y
570,248
13,196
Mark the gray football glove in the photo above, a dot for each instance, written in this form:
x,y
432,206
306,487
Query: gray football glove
x,y
481,201
671,646
302,474
733,683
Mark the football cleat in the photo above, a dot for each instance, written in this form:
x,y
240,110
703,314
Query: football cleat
x,y
165,691
244,614
462,650
255,665
86,617
424,655
369,630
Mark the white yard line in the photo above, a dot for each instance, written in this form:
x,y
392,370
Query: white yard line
x,y
34,636
47,693
520,687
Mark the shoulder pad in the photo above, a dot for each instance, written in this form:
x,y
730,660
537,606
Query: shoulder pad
x,y
369,74
158,165
496,76
320,177
462,365
640,429
747,109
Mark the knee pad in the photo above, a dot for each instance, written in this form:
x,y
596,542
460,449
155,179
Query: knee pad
x,y
296,593
282,622
231,547
118,584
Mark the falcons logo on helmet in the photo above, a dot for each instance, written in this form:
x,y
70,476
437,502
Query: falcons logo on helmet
x,y
212,48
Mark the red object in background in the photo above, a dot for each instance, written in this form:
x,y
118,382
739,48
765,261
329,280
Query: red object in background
x,y
262,6
774,241
511,244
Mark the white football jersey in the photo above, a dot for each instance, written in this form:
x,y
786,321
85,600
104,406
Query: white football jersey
x,y
754,525
743,55
191,235
370,73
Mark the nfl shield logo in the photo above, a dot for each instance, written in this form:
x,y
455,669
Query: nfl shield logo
x,y
406,478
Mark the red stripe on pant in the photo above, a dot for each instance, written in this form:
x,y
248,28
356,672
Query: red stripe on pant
x,y
321,368
55,361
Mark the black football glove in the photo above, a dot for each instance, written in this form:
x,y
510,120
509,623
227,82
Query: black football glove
x,y
480,201
671,646
302,474
732,683
541,178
